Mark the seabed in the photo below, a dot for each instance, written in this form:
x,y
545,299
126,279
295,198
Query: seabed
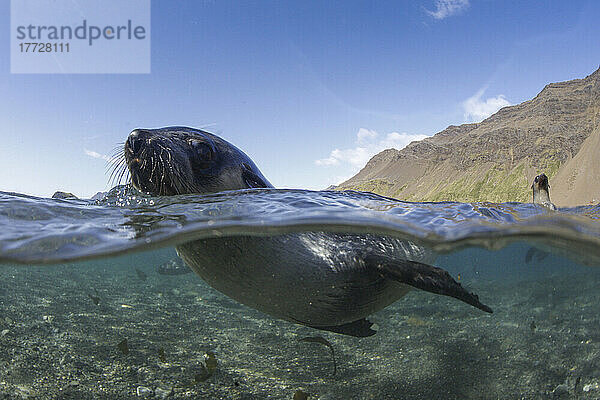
x,y
543,340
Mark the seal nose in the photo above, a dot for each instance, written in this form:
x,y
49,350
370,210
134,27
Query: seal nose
x,y
136,139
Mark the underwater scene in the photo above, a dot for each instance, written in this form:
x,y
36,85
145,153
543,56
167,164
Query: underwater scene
x,y
299,200
96,304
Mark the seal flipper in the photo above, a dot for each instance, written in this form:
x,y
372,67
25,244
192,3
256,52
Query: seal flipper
x,y
359,328
424,277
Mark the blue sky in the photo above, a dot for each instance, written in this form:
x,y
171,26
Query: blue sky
x,y
308,89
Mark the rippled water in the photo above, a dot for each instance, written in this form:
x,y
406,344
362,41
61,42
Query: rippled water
x,y
534,267
49,231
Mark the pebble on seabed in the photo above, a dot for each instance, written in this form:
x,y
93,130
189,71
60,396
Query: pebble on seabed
x,y
144,391
162,393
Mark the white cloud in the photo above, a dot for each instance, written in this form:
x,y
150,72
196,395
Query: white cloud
x,y
365,135
368,143
476,109
448,8
94,154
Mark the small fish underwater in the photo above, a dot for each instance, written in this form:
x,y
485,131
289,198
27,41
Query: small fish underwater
x,y
329,262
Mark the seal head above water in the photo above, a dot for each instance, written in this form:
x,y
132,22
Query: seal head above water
x,y
323,280
541,191
178,160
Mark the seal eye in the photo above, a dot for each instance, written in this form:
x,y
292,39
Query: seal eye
x,y
202,149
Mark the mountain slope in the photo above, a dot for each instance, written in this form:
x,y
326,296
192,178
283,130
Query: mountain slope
x,y
557,132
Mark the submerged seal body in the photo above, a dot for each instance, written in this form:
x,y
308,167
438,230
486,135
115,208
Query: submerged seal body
x,y
541,196
323,280
541,192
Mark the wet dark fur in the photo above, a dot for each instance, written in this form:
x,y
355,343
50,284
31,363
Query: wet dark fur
x,y
178,160
323,280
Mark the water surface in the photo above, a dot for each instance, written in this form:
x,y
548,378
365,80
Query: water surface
x,y
80,276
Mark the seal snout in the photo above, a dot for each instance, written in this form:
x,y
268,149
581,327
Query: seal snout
x,y
139,154
136,140
159,161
